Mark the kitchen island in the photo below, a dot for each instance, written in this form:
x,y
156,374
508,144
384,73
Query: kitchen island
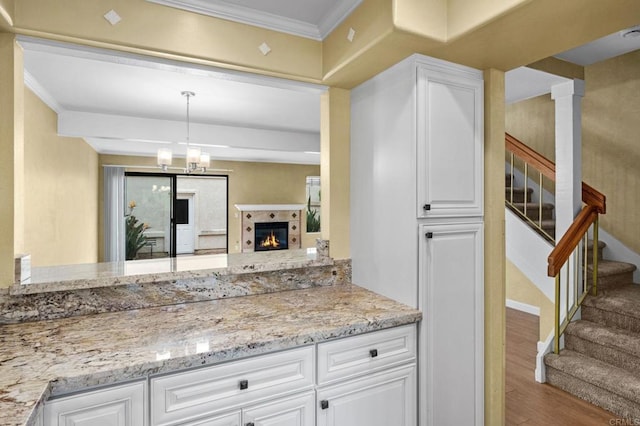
x,y
44,359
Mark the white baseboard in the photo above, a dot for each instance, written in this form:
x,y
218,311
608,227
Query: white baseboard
x,y
543,349
519,306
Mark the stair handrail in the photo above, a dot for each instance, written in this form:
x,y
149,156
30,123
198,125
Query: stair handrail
x,y
572,245
590,195
570,240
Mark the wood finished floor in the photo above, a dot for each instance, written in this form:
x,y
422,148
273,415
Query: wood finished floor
x,y
531,403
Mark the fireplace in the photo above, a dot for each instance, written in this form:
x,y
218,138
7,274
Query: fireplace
x,y
271,236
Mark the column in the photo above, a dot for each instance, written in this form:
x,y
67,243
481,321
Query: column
x,y
567,97
11,155
335,128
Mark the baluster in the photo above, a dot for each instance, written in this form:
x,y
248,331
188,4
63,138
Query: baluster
x,y
511,182
526,183
595,256
540,201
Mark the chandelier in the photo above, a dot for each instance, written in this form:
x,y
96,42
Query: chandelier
x,y
196,161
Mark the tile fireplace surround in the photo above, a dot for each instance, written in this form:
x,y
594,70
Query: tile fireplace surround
x,y
266,213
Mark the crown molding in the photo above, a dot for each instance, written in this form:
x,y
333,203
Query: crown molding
x,y
42,93
250,16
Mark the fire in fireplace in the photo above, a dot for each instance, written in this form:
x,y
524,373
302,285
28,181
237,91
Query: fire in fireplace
x,y
271,236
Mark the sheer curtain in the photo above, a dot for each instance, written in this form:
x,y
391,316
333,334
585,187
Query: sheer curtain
x,y
114,211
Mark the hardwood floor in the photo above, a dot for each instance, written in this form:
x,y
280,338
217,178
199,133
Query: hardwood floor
x,y
531,403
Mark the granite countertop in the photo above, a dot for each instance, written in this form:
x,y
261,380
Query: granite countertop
x,y
109,274
44,358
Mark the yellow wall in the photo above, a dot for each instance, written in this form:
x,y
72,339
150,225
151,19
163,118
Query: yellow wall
x,y
335,175
610,142
164,31
6,14
11,143
249,183
533,122
61,191
521,289
610,127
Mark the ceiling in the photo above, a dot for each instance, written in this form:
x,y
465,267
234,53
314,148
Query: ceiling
x,y
128,104
524,83
122,103
313,19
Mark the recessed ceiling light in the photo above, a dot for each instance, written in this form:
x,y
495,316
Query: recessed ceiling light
x,y
631,33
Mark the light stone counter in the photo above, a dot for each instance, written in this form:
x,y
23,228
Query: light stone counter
x,y
149,271
44,358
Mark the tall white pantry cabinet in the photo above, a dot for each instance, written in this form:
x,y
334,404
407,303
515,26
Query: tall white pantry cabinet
x,y
417,224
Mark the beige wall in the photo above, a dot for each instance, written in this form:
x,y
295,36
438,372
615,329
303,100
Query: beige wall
x,y
61,191
521,289
611,142
11,146
335,177
610,150
249,183
533,122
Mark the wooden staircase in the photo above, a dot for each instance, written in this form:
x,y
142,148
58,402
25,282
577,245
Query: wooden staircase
x,y
601,359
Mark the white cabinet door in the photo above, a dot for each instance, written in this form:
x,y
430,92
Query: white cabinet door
x,y
452,329
450,143
296,411
118,406
383,399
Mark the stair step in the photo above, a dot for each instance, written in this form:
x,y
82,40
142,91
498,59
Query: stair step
x,y
518,194
507,180
601,246
620,348
533,210
597,382
615,307
612,273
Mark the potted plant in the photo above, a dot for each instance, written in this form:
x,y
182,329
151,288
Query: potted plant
x,y
135,238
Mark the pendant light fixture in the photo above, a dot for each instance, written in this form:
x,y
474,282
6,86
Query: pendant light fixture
x,y
195,159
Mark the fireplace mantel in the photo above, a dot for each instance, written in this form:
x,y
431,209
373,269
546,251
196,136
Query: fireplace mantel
x,y
268,207
270,213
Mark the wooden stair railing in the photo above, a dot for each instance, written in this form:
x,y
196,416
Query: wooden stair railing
x,y
570,255
547,168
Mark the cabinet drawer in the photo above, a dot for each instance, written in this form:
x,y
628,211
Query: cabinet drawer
x,y
123,405
352,356
206,391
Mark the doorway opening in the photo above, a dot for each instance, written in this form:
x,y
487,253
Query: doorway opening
x,y
169,215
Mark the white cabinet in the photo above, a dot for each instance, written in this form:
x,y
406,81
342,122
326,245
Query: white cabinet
x,y
451,340
449,143
229,419
123,405
417,165
368,379
296,411
210,391
382,399
365,379
292,411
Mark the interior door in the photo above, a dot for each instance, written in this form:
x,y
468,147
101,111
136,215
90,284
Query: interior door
x,y
185,223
